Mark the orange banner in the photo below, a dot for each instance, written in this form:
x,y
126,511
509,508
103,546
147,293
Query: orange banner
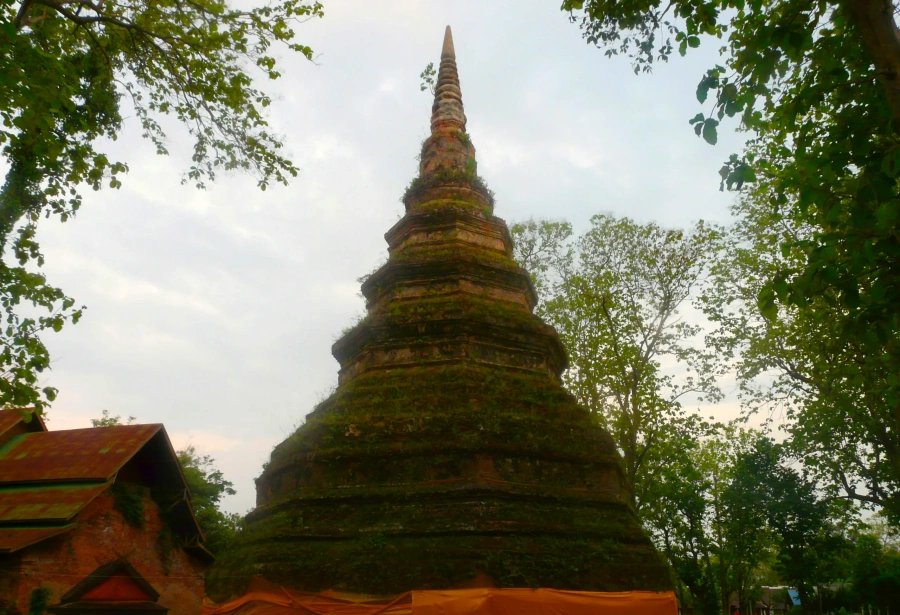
x,y
266,599
491,601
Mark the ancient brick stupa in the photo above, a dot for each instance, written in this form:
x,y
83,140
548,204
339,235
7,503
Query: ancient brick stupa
x,y
449,454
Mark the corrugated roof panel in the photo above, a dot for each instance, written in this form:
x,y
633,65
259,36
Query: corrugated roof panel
x,y
15,538
92,454
46,503
11,417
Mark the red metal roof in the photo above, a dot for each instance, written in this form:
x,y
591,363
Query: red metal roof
x,y
9,418
47,477
15,538
56,503
13,416
93,454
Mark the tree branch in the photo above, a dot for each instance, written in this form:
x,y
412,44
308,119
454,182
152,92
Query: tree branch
x,y
875,21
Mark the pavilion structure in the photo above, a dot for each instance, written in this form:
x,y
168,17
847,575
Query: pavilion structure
x,y
449,455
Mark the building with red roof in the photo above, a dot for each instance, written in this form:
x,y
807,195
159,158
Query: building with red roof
x,y
96,519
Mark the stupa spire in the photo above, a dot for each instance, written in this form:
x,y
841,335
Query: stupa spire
x,y
447,51
447,111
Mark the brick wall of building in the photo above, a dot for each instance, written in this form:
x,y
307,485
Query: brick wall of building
x,y
102,536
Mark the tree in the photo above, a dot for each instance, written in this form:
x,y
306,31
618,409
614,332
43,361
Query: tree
x,y
680,519
836,392
207,485
67,68
805,525
614,296
875,567
816,86
816,82
110,421
745,538
429,79
708,518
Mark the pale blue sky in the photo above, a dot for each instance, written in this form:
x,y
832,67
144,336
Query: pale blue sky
x,y
214,312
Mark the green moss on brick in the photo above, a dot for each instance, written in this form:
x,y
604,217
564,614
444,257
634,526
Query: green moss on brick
x,y
447,177
401,502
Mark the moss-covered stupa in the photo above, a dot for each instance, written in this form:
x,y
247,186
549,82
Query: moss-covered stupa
x,y
449,454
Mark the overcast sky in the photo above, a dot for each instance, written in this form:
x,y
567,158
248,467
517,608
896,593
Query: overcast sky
x,y
214,312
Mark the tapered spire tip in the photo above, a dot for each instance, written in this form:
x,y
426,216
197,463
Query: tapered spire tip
x,y
448,51
447,111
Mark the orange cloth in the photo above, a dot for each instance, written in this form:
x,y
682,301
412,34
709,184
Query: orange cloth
x,y
264,598
491,601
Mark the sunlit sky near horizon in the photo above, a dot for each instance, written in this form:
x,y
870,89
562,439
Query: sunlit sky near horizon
x,y
214,311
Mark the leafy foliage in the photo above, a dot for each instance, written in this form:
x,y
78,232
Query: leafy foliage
x,y
876,573
816,83
66,70
208,485
39,600
429,79
110,421
128,499
731,504
614,296
801,521
708,517
723,504
838,393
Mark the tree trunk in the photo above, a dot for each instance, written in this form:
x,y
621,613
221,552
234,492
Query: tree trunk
x,y
875,21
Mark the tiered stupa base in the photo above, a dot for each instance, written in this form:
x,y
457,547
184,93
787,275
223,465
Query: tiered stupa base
x,y
429,477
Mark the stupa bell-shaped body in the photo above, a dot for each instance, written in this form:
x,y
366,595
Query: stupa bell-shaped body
x,y
449,451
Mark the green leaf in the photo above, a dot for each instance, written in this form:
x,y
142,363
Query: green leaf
x,y
888,215
768,307
709,131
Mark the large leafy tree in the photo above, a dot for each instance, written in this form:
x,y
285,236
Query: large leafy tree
x,y
708,517
745,538
875,573
816,84
806,526
616,295
208,486
836,392
70,71
680,520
